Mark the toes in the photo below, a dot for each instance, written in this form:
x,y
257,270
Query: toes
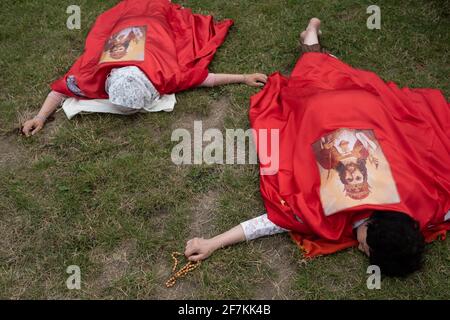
x,y
315,23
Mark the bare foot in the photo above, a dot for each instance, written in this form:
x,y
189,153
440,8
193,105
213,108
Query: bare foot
x,y
314,23
311,35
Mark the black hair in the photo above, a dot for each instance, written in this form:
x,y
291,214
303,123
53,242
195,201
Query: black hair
x,y
126,44
360,164
395,243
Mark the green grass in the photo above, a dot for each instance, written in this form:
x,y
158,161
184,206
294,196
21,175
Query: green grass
x,y
83,190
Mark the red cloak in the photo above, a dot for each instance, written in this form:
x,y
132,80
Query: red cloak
x,y
351,144
169,43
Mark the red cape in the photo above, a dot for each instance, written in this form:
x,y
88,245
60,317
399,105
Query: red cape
x,y
170,44
406,129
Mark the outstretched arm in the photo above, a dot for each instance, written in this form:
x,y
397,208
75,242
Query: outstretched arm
x,y
200,249
218,79
52,102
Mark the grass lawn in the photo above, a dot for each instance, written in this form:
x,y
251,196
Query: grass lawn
x,y
101,192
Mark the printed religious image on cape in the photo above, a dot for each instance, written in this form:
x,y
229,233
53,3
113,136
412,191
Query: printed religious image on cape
x,y
125,45
353,171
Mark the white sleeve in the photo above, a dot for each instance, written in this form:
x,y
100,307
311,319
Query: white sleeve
x,y
259,227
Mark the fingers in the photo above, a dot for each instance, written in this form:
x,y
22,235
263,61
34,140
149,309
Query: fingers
x,y
31,127
37,128
27,127
197,257
262,77
259,79
192,247
197,249
26,131
190,250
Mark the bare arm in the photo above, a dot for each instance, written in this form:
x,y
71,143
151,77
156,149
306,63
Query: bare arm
x,y
218,79
200,249
49,106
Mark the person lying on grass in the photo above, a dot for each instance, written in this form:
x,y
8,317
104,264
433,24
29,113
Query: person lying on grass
x,y
138,51
361,163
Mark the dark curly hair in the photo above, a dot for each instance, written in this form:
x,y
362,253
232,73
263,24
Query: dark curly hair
x,y
396,243
360,164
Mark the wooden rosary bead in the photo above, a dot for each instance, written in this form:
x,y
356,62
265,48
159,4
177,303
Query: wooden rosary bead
x,y
182,272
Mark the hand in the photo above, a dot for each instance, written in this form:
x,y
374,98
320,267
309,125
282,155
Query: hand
x,y
199,249
32,126
328,145
255,79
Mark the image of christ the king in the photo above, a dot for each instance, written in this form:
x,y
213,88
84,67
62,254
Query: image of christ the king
x,y
125,45
353,171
